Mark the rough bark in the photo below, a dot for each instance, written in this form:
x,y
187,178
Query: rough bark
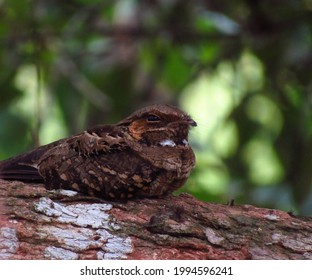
x,y
37,224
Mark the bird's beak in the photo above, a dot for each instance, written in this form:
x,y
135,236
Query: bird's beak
x,y
192,122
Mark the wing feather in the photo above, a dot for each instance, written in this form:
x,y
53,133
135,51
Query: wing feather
x,y
26,167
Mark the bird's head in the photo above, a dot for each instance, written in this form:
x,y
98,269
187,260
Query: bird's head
x,y
162,125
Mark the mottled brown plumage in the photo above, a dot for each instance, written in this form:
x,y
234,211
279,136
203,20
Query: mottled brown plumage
x,y
146,154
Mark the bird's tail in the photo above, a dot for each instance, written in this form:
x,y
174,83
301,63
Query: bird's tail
x,y
24,167
17,168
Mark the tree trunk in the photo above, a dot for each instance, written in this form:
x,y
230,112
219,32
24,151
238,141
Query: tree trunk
x,y
37,224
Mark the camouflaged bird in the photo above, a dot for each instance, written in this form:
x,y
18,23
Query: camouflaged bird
x,y
146,154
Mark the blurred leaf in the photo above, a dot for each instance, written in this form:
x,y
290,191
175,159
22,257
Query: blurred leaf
x,y
14,134
176,71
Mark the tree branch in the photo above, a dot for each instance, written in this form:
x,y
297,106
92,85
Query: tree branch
x,y
37,224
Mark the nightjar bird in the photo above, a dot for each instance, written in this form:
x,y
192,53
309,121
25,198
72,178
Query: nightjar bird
x,y
146,154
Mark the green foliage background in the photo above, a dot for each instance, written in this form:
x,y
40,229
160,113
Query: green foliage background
x,y
242,69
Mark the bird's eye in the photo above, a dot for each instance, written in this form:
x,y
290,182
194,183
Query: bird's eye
x,y
152,118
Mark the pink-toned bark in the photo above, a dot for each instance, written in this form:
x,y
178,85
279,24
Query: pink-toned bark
x,y
36,224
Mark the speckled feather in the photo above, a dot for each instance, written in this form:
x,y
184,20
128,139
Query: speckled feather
x,y
146,154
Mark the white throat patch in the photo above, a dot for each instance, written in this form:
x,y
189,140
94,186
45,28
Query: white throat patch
x,y
167,142
170,143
